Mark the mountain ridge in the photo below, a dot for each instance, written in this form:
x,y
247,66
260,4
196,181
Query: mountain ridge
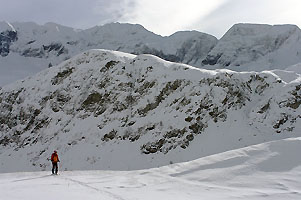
x,y
245,47
46,45
250,45
109,108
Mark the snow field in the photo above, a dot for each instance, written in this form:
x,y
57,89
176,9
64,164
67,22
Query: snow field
x,y
266,171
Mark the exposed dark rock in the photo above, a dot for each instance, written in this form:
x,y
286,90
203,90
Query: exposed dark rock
x,y
153,147
264,108
110,136
61,76
52,47
92,99
56,48
30,42
295,102
109,65
96,103
145,87
281,121
190,137
146,50
5,141
177,133
6,38
197,128
188,119
211,59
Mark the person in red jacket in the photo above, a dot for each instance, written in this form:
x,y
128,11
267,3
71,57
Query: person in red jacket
x,y
54,159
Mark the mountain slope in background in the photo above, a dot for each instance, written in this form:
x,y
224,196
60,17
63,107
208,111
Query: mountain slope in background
x,y
269,171
257,47
111,110
27,48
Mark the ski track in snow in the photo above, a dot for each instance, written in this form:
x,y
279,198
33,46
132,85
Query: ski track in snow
x,y
107,193
248,173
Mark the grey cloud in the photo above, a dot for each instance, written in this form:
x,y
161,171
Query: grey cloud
x,y
75,13
237,11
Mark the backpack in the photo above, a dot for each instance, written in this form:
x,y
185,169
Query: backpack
x,y
54,157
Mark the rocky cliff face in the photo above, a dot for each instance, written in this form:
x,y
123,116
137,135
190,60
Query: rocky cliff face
x,y
8,35
111,110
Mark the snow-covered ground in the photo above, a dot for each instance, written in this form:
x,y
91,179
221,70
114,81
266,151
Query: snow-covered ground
x,y
266,171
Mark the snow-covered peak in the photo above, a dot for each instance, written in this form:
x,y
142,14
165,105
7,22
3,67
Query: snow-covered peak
x,y
123,26
245,47
117,28
49,44
257,47
64,30
257,30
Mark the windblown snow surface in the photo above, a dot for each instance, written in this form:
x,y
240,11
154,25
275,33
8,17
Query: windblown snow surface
x,y
266,171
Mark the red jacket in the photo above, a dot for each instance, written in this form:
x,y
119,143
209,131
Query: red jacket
x,y
55,158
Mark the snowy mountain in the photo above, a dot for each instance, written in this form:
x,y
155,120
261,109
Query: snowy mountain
x,y
27,48
269,171
257,47
110,110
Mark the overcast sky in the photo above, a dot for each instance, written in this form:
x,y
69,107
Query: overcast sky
x,y
163,17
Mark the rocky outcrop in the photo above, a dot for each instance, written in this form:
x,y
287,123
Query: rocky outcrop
x,y
6,38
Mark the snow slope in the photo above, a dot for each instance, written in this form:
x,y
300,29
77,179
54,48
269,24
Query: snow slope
x,y
256,47
50,44
295,68
266,171
111,110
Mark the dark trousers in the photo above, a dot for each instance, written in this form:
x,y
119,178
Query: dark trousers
x,y
54,167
